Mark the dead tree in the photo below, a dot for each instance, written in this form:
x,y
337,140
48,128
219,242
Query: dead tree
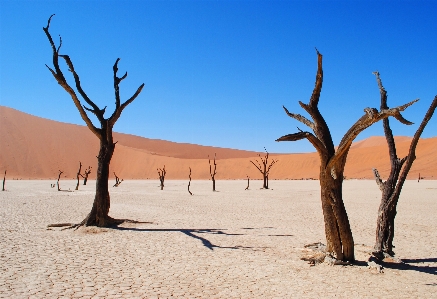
x,y
392,187
86,174
247,188
4,181
117,181
264,168
162,173
212,173
338,233
78,175
59,177
189,182
98,216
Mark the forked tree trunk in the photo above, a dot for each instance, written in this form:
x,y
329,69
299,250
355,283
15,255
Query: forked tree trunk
x,y
161,173
100,209
337,228
391,188
264,167
86,174
338,233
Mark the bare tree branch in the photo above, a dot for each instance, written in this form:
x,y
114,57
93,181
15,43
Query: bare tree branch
x,y
259,167
318,125
59,76
378,179
372,116
386,124
318,145
314,101
96,109
412,152
300,118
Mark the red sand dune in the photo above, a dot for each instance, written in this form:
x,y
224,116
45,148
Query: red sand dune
x,y
35,148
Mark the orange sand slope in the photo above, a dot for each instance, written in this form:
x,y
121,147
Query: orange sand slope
x,y
35,148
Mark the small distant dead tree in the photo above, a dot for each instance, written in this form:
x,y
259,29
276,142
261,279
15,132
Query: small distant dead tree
x,y
189,182
162,173
340,242
59,177
86,174
4,181
78,175
247,188
117,180
99,214
392,187
264,168
212,173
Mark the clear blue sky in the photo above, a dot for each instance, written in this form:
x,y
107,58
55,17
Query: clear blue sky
x,y
218,72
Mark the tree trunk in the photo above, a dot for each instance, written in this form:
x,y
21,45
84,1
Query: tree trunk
x,y
391,188
4,180
213,184
99,212
78,175
337,228
332,161
387,211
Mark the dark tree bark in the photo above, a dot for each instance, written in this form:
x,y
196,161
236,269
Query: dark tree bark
x,y
59,177
247,188
189,182
78,175
4,181
212,173
117,181
338,233
392,187
86,174
98,215
162,173
264,167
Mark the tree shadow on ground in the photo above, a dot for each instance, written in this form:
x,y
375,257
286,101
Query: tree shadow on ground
x,y
406,264
193,233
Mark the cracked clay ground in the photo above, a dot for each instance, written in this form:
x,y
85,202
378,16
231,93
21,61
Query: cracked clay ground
x,y
227,244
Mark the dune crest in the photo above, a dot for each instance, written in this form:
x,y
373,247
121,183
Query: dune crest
x,y
36,148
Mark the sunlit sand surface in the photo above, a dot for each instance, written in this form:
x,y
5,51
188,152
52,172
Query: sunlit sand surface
x,y
227,244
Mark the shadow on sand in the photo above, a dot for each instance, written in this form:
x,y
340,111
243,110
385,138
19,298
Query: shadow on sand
x,y
193,233
406,264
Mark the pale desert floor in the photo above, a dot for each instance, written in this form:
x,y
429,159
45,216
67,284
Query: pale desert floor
x,y
227,244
